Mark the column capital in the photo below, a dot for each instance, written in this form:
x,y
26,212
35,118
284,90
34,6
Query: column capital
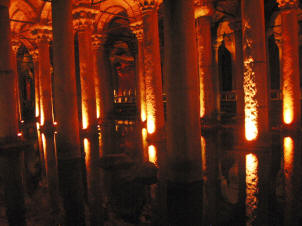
x,y
137,29
98,41
287,4
149,5
203,8
83,17
34,52
41,33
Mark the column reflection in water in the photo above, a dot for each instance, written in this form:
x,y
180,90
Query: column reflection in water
x,y
291,189
152,153
252,188
92,155
48,143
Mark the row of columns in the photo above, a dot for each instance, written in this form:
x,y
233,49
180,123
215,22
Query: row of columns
x,y
180,163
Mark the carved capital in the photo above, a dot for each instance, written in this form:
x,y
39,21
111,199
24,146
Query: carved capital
x,y
41,33
83,17
149,5
203,8
98,41
34,54
287,4
137,29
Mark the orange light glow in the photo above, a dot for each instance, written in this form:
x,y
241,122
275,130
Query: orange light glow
x,y
143,113
251,104
37,109
55,123
288,103
44,144
98,111
19,134
152,154
150,125
42,119
203,154
251,187
38,125
288,145
84,116
202,94
87,150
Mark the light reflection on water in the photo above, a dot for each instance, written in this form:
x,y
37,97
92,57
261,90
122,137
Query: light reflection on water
x,y
252,187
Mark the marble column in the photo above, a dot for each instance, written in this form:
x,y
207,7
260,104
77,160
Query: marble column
x,y
43,34
184,164
153,80
104,94
290,64
137,29
82,22
254,72
66,108
10,147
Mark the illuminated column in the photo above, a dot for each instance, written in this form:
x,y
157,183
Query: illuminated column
x,y
255,76
82,21
153,75
35,57
236,26
290,63
67,138
10,147
104,95
15,47
137,29
42,34
208,100
183,117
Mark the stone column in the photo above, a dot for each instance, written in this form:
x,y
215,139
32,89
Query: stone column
x,y
43,34
15,44
67,137
208,100
104,94
236,26
290,64
82,22
153,79
183,118
137,29
10,148
254,74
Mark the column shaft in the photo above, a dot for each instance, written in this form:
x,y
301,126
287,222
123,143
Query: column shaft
x,y
208,101
65,94
87,80
67,139
290,68
255,76
153,79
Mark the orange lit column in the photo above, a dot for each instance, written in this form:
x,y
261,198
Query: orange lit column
x,y
208,100
42,34
290,64
153,77
183,115
67,138
10,147
137,29
82,22
254,71
104,94
237,28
